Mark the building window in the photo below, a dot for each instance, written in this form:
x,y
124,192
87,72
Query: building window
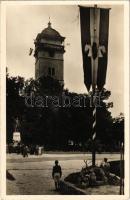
x,y
51,53
51,71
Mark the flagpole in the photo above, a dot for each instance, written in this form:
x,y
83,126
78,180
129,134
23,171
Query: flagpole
x,y
93,133
94,39
94,110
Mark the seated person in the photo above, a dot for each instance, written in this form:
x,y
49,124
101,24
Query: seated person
x,y
105,165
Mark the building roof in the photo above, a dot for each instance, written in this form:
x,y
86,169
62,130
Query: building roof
x,y
50,33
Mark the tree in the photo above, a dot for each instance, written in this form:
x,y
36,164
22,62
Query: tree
x,y
54,124
14,103
118,130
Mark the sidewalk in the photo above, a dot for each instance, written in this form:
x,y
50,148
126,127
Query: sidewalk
x,y
35,178
28,182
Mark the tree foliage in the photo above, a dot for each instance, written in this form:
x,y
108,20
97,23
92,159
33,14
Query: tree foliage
x,y
53,126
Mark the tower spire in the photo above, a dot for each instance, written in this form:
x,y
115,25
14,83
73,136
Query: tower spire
x,y
49,23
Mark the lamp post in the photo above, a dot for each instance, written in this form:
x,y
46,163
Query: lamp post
x,y
121,169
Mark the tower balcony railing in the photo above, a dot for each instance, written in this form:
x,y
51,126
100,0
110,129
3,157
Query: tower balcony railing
x,y
48,47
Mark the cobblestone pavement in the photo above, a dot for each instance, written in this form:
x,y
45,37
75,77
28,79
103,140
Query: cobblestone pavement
x,y
33,174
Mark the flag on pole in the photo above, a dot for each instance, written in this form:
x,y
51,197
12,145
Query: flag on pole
x,y
30,51
94,38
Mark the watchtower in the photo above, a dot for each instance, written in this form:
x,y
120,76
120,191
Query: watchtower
x,y
49,51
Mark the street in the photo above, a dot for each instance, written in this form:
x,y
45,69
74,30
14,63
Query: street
x,y
33,174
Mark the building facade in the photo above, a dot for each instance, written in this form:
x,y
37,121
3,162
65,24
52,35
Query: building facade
x,y
49,52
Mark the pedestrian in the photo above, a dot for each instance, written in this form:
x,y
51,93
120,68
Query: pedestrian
x,y
25,151
56,174
105,165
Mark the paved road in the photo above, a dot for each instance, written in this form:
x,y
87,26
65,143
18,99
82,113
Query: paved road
x,y
33,175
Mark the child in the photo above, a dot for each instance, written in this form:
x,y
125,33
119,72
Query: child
x,y
56,174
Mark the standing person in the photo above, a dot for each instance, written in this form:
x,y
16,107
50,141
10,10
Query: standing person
x,y
56,174
25,151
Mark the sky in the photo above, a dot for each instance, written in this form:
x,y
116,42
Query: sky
x,y
23,23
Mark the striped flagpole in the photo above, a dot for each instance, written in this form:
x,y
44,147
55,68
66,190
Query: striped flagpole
x,y
94,123
94,38
93,132
95,21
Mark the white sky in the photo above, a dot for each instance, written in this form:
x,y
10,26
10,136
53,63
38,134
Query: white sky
x,y
25,22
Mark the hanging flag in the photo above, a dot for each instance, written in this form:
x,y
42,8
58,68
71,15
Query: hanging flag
x,y
94,38
30,51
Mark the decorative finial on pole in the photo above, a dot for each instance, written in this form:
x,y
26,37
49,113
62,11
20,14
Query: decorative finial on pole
x,y
95,8
49,23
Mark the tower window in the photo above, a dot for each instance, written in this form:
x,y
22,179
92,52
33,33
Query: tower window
x,y
51,53
51,71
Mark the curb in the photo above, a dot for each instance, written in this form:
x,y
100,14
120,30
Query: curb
x,y
69,188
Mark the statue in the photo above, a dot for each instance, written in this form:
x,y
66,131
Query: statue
x,y
16,133
16,124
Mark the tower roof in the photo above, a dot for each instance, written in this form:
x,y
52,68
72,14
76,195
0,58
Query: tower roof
x,y
50,33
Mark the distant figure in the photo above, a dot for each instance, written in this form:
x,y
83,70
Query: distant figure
x,y
37,150
25,151
105,166
56,174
